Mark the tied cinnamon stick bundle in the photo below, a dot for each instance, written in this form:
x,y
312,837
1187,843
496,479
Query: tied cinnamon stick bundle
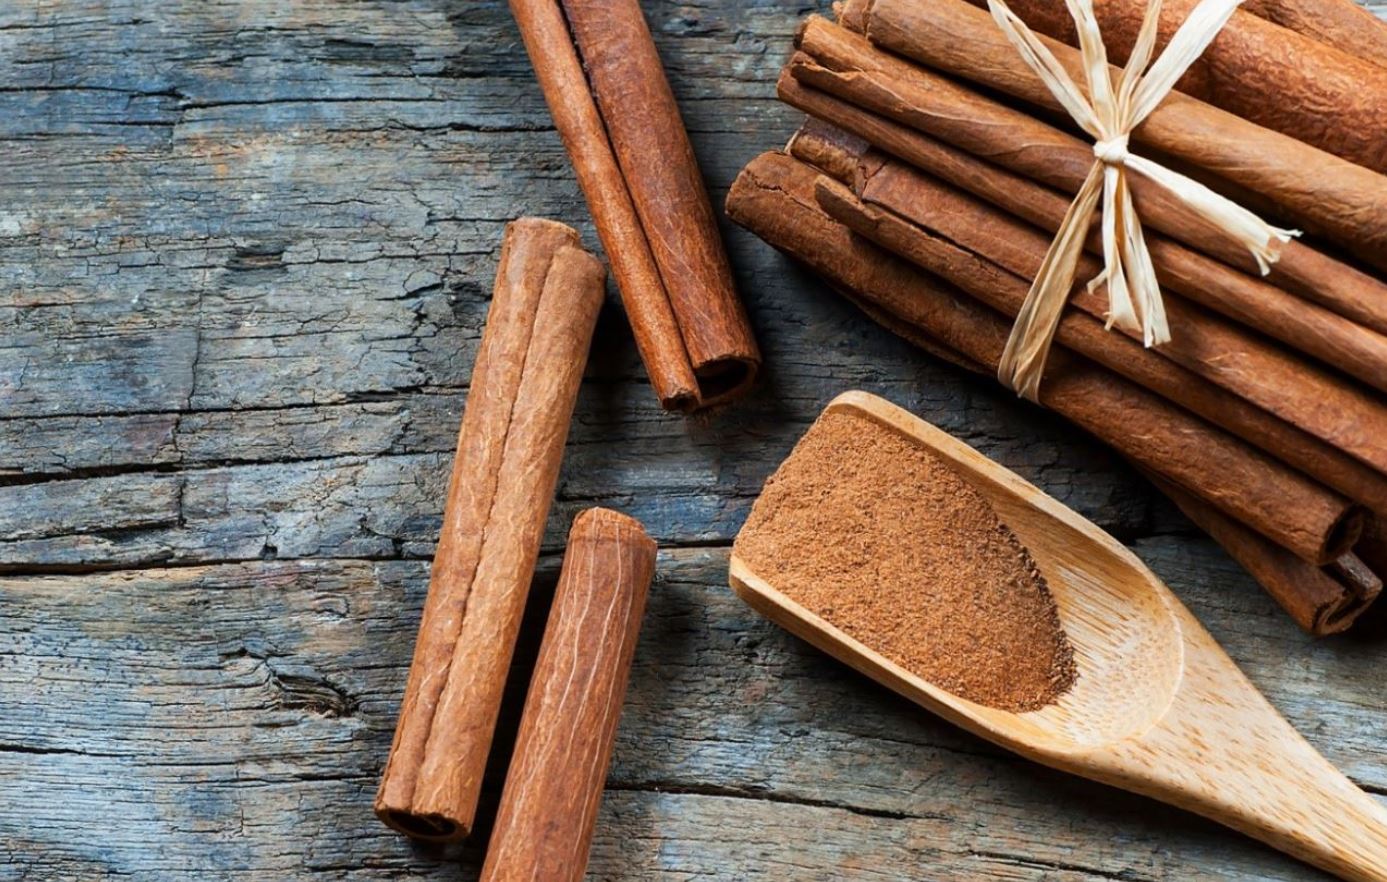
x,y
774,197
1302,325
848,160
1321,600
524,385
1319,191
611,103
837,62
1256,69
549,806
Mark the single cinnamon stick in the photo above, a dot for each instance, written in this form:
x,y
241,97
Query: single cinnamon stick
x,y
1005,292
523,388
844,65
1322,600
1319,190
1319,402
1325,97
1342,24
554,785
774,197
601,76
1309,328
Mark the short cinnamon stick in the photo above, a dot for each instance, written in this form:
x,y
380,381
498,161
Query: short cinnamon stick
x,y
1322,600
1005,291
611,103
774,198
554,785
1321,403
1342,24
1325,97
844,65
1336,341
1319,190
523,388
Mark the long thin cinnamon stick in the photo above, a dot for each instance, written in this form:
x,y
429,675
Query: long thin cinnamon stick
x,y
1319,402
1322,600
1342,24
524,385
1321,191
1314,330
845,65
1325,97
774,198
553,788
1004,291
601,76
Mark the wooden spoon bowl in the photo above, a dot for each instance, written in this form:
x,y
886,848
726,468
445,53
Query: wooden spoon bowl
x,y
1157,708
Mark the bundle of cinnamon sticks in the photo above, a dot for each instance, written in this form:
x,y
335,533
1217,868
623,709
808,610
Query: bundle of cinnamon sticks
x,y
936,169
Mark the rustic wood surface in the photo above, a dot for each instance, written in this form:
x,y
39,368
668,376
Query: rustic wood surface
x,y
247,248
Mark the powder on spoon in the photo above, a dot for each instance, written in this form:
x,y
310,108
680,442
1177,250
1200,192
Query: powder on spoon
x,y
883,539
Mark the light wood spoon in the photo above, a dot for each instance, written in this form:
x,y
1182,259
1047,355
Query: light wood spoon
x,y
1158,707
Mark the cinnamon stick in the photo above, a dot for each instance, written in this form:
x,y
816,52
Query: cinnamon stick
x,y
1084,334
1319,402
1322,600
1314,330
1342,24
774,198
843,64
554,785
601,76
1319,190
1255,69
523,388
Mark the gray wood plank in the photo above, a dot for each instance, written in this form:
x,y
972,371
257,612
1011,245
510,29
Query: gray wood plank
x,y
238,716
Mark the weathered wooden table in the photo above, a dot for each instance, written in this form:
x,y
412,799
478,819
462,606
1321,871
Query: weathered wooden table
x,y
246,250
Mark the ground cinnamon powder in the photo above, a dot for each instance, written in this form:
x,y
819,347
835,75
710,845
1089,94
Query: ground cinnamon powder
x,y
882,538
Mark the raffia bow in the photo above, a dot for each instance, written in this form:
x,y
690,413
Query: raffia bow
x,y
1109,112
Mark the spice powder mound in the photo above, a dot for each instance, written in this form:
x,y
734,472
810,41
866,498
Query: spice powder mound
x,y
881,538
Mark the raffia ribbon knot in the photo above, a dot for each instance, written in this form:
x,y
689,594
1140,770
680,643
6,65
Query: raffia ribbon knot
x,y
1108,112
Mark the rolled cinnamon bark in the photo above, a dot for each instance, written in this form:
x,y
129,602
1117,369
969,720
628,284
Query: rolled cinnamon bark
x,y
1319,402
1325,97
844,65
523,388
1084,334
554,785
1304,326
1319,190
1322,600
1342,24
774,198
612,105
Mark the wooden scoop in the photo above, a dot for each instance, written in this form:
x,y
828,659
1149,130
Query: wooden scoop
x,y
1158,707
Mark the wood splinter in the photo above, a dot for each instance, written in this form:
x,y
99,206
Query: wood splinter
x,y
524,386
612,105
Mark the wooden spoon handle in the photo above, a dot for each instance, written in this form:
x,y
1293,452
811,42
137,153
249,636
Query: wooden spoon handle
x,y
1223,751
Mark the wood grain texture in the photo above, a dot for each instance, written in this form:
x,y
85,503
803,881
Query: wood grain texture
x,y
247,249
